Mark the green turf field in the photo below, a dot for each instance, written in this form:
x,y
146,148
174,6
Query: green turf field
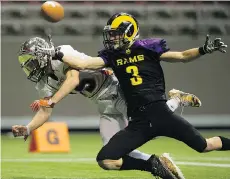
x,y
80,163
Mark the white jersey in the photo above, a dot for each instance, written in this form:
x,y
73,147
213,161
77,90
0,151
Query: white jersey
x,y
101,88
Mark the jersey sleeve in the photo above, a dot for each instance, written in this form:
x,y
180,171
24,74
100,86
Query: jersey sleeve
x,y
105,56
70,49
156,45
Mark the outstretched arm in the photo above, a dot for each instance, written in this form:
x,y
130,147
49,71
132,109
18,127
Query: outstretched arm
x,y
45,105
38,120
194,53
70,83
185,56
89,63
78,60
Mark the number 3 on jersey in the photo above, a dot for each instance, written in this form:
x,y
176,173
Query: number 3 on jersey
x,y
136,79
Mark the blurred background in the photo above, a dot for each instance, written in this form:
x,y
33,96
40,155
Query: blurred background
x,y
184,25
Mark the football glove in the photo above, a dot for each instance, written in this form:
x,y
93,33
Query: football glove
x,y
19,130
211,46
35,106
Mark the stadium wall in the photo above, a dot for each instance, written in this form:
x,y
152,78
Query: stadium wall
x,y
92,122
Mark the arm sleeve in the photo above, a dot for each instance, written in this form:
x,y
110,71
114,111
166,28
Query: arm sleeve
x,y
60,50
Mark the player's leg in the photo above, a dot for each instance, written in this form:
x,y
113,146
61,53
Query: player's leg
x,y
123,123
123,143
111,124
173,103
180,129
214,143
195,140
120,105
113,155
108,126
177,127
176,98
217,143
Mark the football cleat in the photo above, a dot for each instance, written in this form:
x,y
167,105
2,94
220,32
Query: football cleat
x,y
159,169
167,160
186,99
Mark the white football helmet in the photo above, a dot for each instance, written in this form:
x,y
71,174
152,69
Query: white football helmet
x,y
34,56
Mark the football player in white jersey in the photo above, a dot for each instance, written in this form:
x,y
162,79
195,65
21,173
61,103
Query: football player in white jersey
x,y
55,80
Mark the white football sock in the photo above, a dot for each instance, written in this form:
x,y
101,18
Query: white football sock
x,y
139,155
173,104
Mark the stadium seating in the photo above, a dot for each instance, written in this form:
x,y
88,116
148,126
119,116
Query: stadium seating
x,y
88,19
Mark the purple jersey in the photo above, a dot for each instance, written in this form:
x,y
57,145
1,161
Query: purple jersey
x,y
139,71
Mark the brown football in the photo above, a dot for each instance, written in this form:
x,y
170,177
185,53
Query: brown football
x,y
52,11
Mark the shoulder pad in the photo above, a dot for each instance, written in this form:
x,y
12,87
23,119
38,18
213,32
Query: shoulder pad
x,y
157,45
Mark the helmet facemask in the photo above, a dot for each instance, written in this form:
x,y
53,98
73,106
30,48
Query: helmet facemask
x,y
113,38
31,67
32,58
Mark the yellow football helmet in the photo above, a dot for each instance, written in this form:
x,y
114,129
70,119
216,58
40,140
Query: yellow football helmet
x,y
121,31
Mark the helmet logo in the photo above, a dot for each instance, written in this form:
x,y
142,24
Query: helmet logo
x,y
128,51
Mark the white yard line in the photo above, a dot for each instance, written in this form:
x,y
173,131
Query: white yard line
x,y
93,160
202,158
203,164
50,160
